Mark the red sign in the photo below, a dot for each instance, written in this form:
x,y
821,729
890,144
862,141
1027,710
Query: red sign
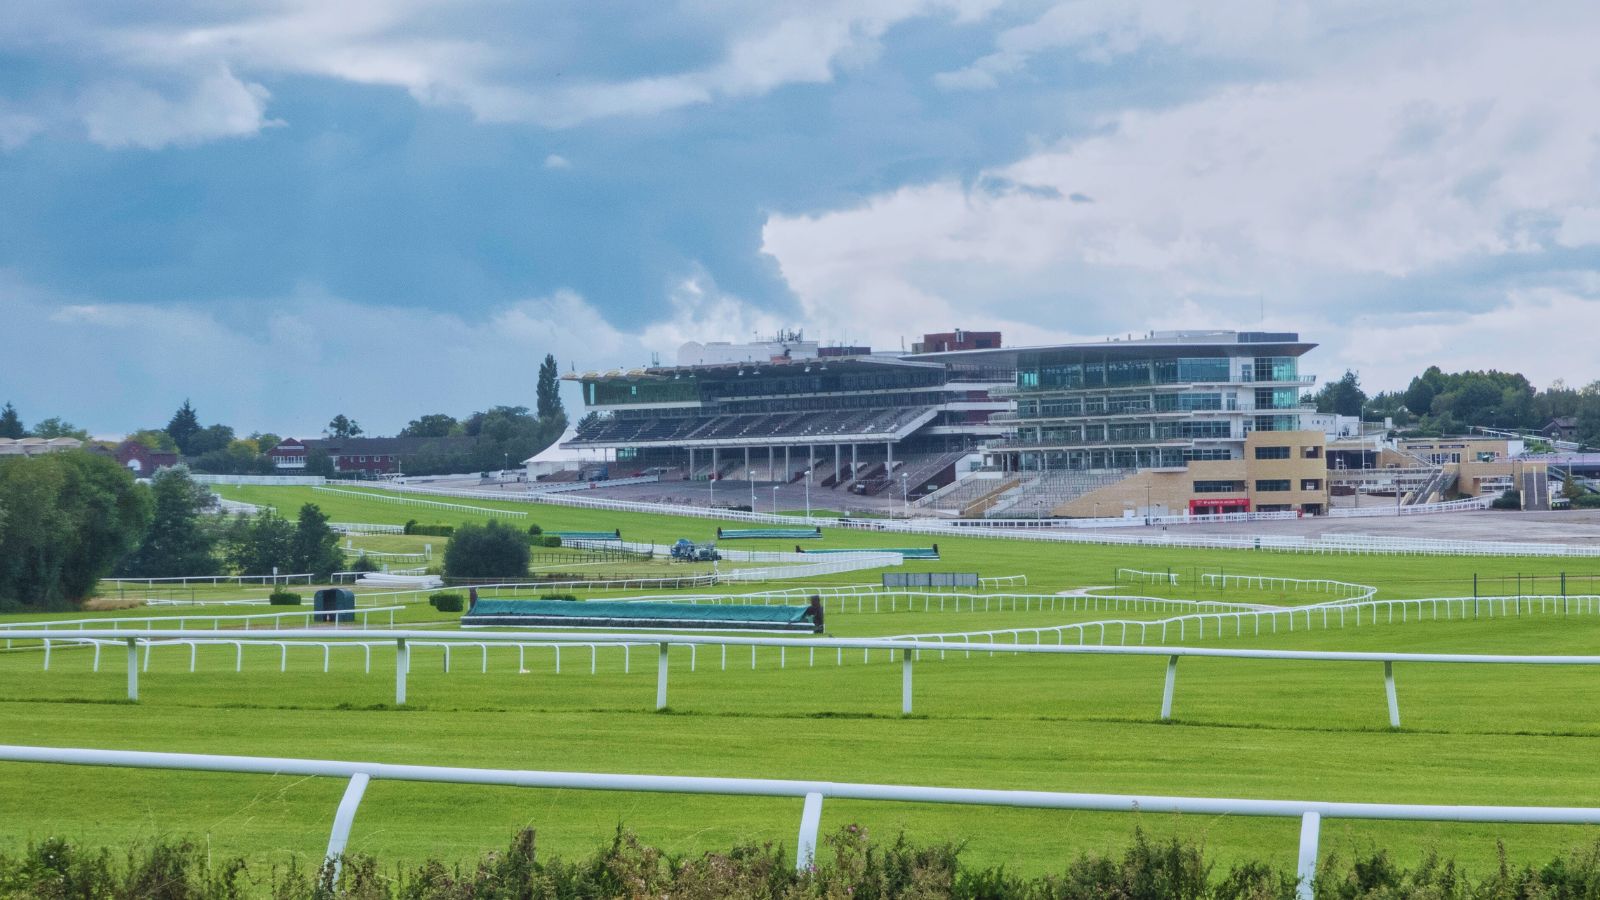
x,y
1219,504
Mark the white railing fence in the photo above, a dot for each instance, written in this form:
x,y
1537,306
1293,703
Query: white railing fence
x,y
412,501
1310,813
907,649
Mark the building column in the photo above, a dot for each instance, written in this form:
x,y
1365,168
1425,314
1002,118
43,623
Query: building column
x,y
838,451
787,469
691,463
854,463
888,449
771,463
715,468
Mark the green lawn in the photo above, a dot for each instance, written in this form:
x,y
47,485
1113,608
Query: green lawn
x,y
1473,734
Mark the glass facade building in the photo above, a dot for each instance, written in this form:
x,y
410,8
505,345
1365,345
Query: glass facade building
x,y
1155,402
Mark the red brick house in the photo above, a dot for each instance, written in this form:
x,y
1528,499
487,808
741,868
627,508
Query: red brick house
x,y
362,455
141,460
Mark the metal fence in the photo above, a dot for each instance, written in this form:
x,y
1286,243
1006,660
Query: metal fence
x,y
360,775
907,649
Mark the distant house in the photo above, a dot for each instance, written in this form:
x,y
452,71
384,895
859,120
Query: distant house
x,y
141,460
32,446
364,456
1561,428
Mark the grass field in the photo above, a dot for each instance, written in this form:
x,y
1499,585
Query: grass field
x,y
1473,734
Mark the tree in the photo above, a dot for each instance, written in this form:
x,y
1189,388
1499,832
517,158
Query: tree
x,y
1343,397
178,541
265,440
11,423
183,426
435,425
494,550
341,427
215,437
318,462
261,545
548,392
69,518
155,439
55,427
315,548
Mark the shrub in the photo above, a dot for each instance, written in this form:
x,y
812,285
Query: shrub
x,y
434,530
495,550
283,598
559,597
552,540
446,601
535,530
1586,501
1508,500
363,563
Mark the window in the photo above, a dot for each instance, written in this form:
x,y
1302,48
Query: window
x,y
1310,484
1272,453
1218,487
1311,452
1270,485
1209,453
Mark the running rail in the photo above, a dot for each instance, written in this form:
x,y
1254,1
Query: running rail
x,y
908,650
361,774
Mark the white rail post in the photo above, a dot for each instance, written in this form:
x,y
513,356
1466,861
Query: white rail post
x,y
805,851
905,682
1310,832
661,678
1388,688
344,818
133,669
1166,692
402,665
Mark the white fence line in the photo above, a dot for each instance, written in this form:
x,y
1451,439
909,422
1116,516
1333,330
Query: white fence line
x,y
277,480
907,649
1053,530
366,528
181,620
1310,813
213,579
561,487
1272,582
1144,577
1003,581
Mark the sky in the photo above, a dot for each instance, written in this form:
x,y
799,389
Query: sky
x,y
286,209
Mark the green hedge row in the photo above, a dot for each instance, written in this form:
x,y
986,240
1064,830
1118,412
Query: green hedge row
x,y
848,865
447,601
436,530
283,598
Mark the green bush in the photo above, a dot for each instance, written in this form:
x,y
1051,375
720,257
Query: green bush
x,y
363,563
1586,501
434,530
1508,500
535,530
495,550
283,598
847,864
552,540
446,601
559,597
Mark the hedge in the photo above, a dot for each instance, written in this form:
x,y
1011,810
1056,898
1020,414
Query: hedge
x,y
446,601
435,530
283,598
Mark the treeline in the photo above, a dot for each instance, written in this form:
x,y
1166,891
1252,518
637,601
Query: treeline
x,y
69,519
847,865
1438,402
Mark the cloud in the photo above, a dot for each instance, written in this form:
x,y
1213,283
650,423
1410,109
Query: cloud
x,y
1351,186
556,161
167,78
217,105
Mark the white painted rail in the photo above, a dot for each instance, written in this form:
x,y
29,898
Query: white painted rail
x,y
1310,813
908,650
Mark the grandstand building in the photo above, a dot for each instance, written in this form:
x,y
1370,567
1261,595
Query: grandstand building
x,y
1173,422
858,420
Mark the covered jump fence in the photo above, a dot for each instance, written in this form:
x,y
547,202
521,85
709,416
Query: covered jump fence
x,y
905,552
629,614
786,534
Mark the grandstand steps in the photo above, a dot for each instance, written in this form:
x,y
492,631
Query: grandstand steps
x,y
978,507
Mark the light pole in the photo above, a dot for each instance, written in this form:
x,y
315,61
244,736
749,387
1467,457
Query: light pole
x,y
808,495
711,487
752,475
1147,510
905,495
774,499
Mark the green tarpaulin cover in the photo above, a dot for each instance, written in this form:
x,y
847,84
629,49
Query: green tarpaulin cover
x,y
612,614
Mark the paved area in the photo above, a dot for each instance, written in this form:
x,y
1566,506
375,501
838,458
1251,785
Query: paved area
x,y
1560,526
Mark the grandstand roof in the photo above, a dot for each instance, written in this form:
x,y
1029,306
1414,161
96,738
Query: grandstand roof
x,y
829,363
1197,342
